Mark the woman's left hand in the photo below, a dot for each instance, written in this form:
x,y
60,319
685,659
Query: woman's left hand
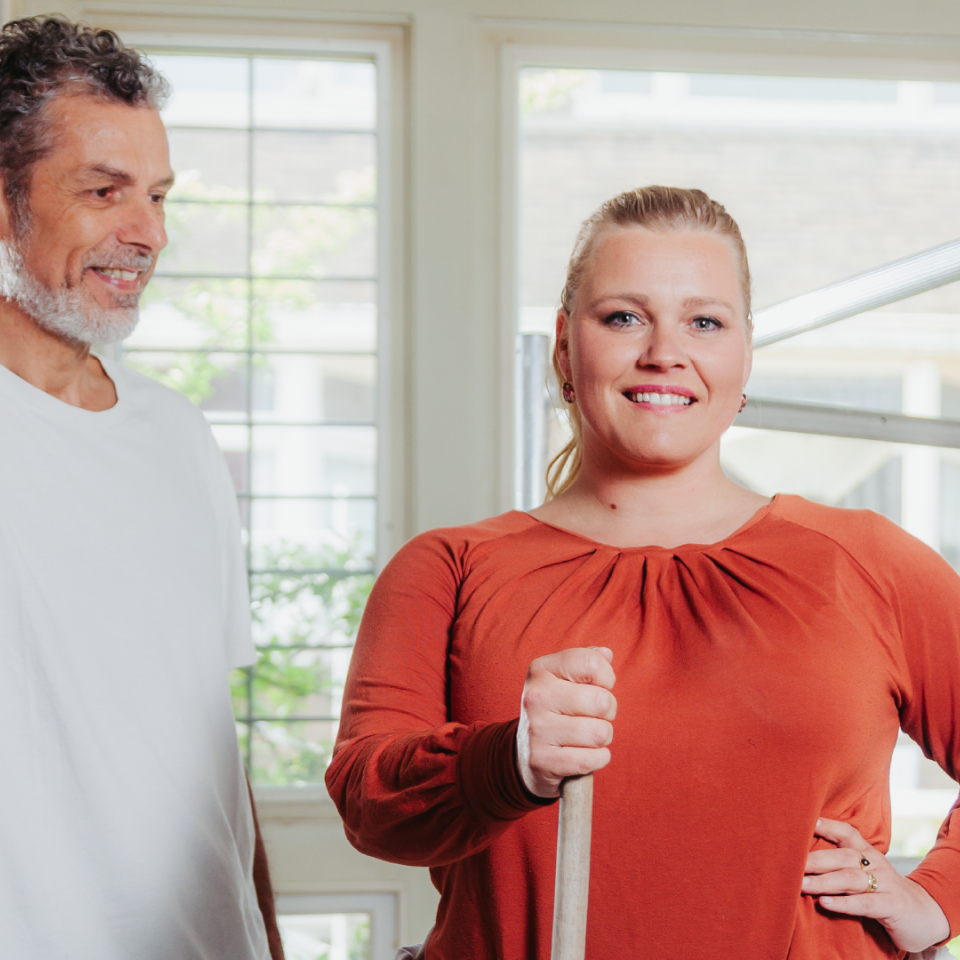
x,y
912,918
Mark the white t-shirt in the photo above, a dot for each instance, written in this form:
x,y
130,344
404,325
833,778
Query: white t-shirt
x,y
125,825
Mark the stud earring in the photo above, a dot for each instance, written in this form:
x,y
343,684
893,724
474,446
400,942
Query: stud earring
x,y
567,389
743,403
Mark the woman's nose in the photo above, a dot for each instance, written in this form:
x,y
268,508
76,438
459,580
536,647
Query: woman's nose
x,y
662,348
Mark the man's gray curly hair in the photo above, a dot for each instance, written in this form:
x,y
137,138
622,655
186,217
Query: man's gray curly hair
x,y
43,57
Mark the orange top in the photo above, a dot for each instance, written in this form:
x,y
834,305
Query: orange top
x,y
761,682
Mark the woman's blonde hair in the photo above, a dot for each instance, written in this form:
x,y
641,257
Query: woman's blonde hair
x,y
656,208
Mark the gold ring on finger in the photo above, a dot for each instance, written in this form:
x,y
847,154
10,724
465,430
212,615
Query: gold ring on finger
x,y
864,862
871,884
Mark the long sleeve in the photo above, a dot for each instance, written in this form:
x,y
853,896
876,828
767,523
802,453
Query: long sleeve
x,y
927,604
410,785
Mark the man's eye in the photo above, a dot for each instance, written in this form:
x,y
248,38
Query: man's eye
x,y
104,192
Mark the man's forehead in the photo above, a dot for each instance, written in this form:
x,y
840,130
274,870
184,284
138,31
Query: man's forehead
x,y
97,137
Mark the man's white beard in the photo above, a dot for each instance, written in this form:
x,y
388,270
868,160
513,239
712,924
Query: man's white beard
x,y
72,314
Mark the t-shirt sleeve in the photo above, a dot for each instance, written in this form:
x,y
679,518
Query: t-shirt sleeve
x,y
926,596
410,785
237,637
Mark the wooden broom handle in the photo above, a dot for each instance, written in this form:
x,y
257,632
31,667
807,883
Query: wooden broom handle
x,y
573,869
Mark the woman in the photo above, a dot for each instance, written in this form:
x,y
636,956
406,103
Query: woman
x,y
764,656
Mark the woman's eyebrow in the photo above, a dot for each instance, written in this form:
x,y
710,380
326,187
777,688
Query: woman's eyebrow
x,y
706,302
637,298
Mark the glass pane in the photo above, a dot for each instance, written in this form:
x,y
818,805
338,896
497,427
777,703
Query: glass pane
x,y
213,381
826,177
205,238
292,752
285,528
833,470
921,796
328,167
812,385
297,461
299,683
340,936
792,88
300,315
312,94
314,241
192,313
318,609
310,388
312,152
207,91
209,164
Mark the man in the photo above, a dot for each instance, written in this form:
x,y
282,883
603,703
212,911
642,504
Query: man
x,y
126,827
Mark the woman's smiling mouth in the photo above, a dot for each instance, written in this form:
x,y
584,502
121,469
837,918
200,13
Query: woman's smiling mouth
x,y
660,397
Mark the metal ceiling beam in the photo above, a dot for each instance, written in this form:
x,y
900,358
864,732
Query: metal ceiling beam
x,y
848,422
865,291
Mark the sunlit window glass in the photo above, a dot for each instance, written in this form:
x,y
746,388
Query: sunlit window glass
x,y
263,312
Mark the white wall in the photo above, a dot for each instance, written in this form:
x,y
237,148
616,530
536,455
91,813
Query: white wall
x,y
451,354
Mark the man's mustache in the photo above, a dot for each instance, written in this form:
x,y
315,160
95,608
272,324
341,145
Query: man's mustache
x,y
118,259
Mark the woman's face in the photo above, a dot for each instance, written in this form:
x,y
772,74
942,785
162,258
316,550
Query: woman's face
x,y
656,346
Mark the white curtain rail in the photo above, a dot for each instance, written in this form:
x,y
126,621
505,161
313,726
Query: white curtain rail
x,y
848,422
866,291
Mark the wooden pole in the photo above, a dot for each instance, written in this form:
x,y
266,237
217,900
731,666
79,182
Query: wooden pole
x,y
573,869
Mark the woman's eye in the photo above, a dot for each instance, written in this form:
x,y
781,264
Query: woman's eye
x,y
621,319
706,323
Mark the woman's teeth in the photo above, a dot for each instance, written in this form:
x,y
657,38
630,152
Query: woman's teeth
x,y
664,399
119,274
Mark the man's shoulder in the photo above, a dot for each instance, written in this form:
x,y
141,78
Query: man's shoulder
x,y
147,395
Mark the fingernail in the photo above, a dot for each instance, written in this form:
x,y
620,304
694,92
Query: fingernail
x,y
818,821
826,900
806,881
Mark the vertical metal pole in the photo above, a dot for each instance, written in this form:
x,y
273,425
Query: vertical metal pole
x,y
533,413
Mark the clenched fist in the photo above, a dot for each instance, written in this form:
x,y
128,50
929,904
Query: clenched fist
x,y
566,718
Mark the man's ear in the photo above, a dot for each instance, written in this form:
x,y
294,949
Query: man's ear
x,y
6,214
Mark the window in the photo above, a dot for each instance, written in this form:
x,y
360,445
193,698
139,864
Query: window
x,y
264,312
827,178
351,926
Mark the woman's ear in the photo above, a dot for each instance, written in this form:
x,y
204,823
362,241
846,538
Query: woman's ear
x,y
562,346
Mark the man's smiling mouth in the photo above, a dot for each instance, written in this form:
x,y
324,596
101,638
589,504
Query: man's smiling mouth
x,y
114,273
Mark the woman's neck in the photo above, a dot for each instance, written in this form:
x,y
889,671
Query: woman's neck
x,y
694,503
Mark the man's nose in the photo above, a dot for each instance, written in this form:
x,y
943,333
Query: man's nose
x,y
142,225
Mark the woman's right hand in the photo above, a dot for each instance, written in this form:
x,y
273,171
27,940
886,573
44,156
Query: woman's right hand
x,y
566,715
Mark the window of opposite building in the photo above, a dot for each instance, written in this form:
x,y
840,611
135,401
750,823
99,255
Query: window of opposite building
x,y
264,312
827,177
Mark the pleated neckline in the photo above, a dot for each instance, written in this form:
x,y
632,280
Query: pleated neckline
x,y
758,517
